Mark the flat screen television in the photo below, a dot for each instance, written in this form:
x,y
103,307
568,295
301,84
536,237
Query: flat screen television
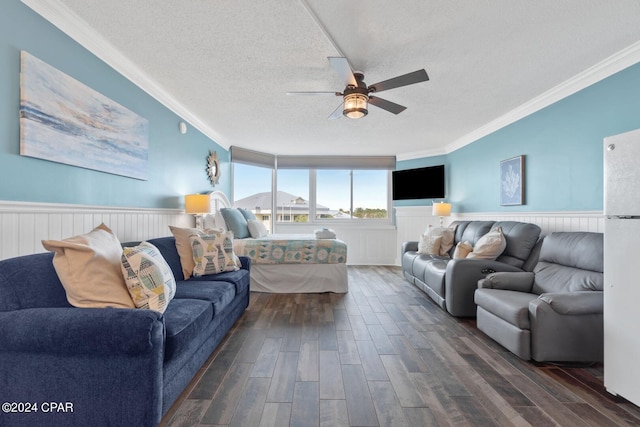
x,y
420,183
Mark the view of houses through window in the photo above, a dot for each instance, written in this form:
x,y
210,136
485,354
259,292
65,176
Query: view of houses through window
x,y
305,195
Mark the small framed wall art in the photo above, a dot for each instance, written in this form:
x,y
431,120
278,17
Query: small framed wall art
x,y
512,181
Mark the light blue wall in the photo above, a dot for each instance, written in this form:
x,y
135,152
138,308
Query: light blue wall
x,y
176,162
562,144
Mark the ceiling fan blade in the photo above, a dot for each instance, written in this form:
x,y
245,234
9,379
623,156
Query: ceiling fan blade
x,y
391,107
342,67
404,80
315,93
337,113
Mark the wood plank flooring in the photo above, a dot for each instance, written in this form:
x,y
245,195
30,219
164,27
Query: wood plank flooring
x,y
382,355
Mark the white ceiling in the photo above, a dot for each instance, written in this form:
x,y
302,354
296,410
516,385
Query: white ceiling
x,y
226,65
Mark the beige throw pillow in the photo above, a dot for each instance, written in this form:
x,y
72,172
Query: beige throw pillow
x,y
462,250
89,268
183,244
446,239
429,244
489,246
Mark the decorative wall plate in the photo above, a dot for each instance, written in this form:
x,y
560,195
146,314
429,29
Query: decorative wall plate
x,y
213,168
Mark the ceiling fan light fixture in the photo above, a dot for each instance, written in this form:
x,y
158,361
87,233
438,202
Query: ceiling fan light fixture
x,y
355,105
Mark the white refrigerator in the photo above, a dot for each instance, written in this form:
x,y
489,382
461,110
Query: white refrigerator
x,y
622,265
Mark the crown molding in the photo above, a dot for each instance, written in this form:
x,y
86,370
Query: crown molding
x,y
613,64
71,24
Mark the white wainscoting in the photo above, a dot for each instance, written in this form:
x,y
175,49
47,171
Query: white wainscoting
x,y
412,221
24,225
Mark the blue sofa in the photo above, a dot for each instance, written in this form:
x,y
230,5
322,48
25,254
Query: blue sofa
x,y
68,366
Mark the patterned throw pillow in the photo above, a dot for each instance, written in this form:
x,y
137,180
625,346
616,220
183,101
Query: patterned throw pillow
x,y
148,277
213,253
183,245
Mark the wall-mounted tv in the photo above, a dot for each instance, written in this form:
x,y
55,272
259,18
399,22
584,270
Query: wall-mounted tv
x,y
420,183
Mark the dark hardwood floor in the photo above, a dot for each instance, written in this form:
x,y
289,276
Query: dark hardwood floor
x,y
382,355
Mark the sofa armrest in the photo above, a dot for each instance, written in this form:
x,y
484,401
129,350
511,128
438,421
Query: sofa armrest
x,y
575,303
409,246
107,363
520,281
567,327
461,281
76,331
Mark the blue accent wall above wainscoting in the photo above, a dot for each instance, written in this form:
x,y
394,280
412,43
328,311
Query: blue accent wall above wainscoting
x,y
177,162
562,145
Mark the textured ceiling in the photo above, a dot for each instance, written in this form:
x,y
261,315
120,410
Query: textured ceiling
x,y
228,64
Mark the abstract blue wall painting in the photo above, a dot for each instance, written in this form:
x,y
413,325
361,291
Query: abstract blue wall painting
x,y
512,181
65,121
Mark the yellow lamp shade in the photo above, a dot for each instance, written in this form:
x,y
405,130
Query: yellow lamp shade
x,y
197,204
441,209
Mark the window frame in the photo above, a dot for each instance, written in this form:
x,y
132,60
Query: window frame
x,y
313,164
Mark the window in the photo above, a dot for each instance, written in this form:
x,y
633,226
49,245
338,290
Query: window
x,y
252,190
370,195
312,188
351,194
293,195
333,189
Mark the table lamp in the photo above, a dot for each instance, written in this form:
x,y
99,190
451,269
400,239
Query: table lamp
x,y
441,209
197,205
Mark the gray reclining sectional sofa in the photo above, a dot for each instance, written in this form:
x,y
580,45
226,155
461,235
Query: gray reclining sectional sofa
x,y
451,283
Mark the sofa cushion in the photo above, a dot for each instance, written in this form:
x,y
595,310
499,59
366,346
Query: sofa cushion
x,y
471,231
239,278
168,249
434,274
184,320
40,288
521,238
148,277
213,253
489,246
89,268
569,262
510,306
219,293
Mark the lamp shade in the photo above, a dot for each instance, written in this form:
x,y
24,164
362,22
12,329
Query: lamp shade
x,y
197,204
441,209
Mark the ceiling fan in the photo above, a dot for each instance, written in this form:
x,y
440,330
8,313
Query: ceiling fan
x,y
356,95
